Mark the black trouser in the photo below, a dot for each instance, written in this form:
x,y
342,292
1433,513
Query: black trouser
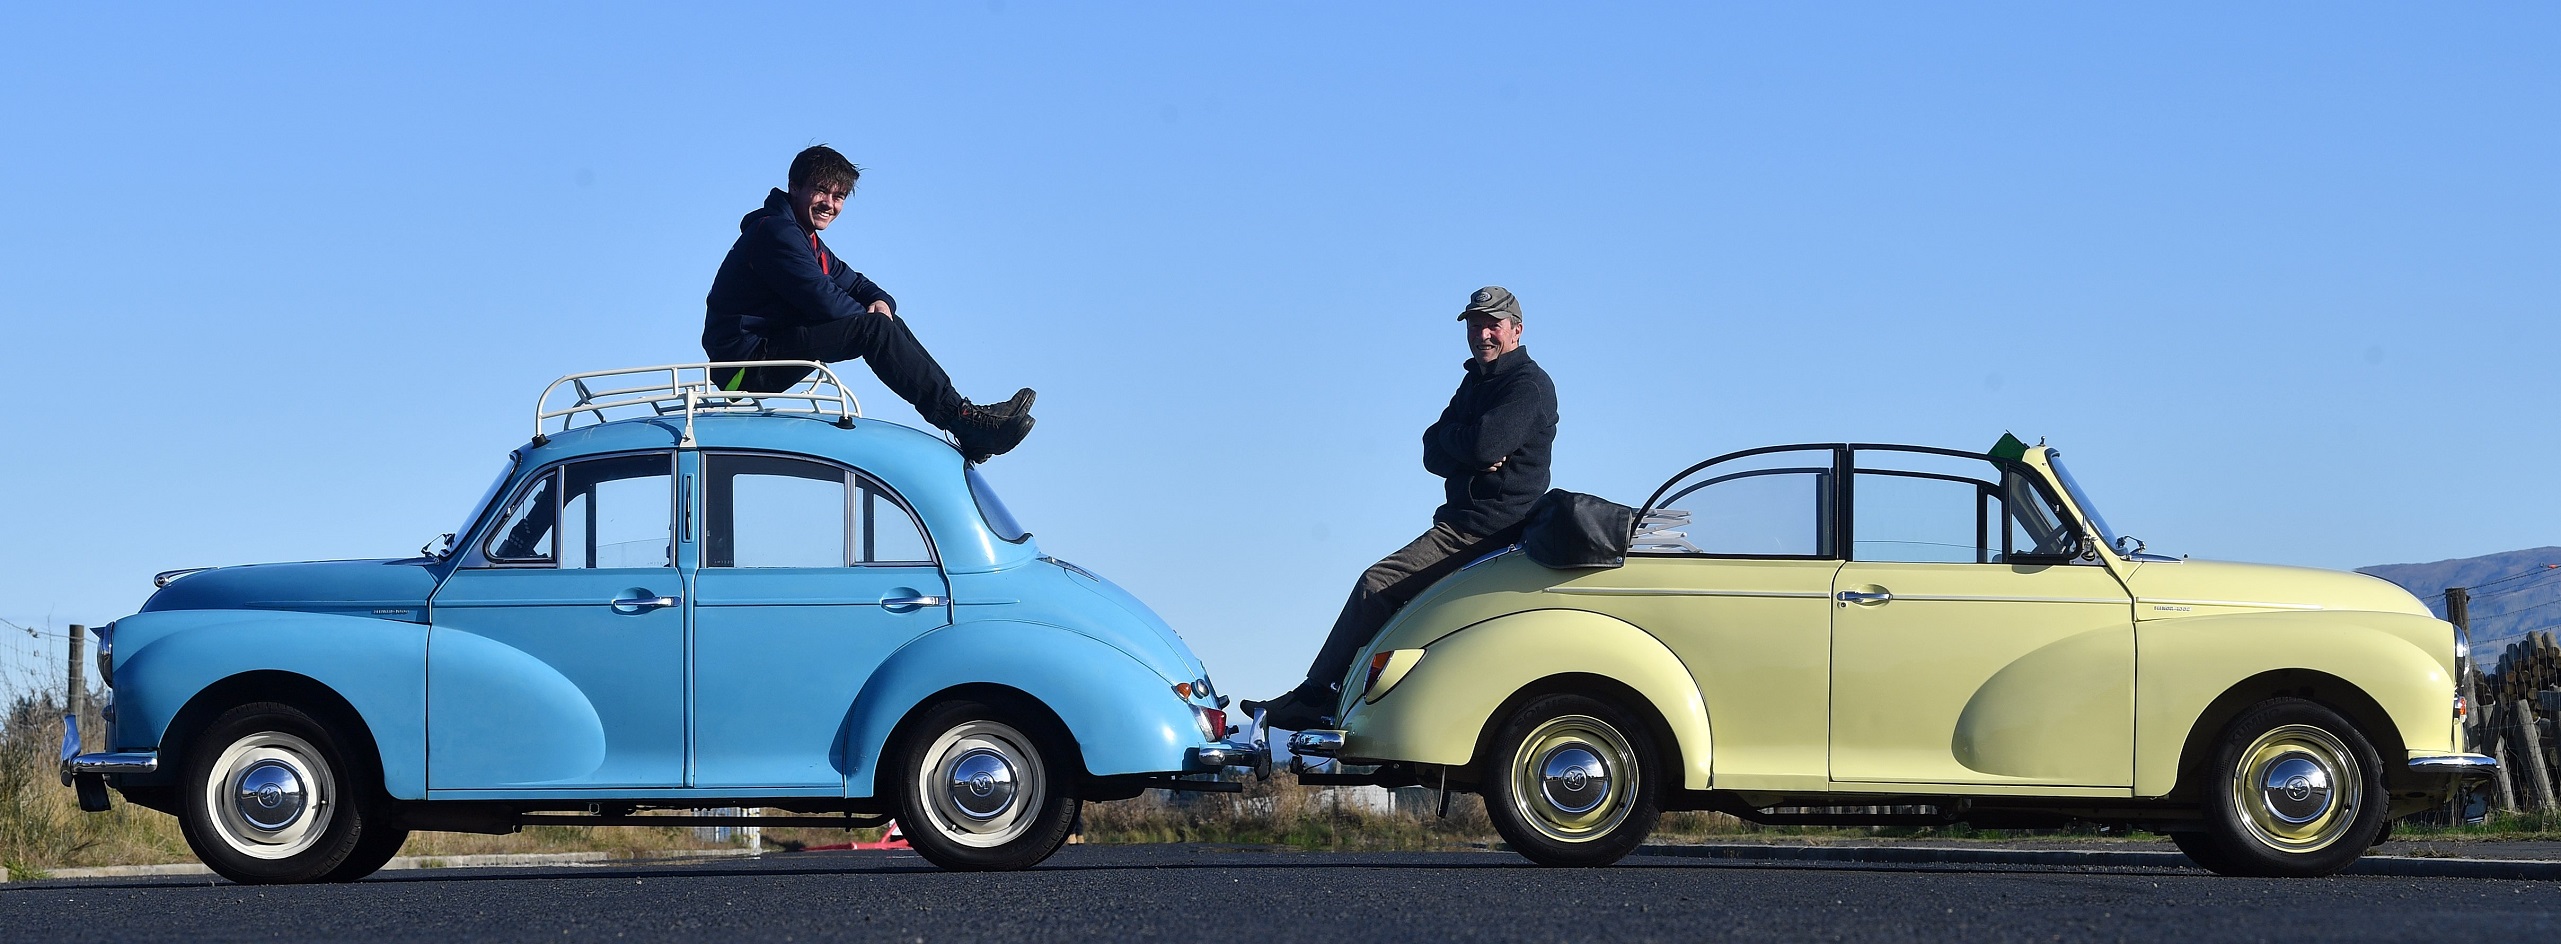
x,y
879,340
1390,584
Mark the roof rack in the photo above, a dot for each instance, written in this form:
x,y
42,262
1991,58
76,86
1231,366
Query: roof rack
x,y
671,389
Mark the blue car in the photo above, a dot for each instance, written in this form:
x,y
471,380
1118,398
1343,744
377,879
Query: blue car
x,y
671,599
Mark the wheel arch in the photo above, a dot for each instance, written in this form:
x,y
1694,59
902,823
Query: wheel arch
x,y
303,692
1599,687
2372,722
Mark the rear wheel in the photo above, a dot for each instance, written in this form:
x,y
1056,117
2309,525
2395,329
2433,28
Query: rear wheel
x,y
2295,790
983,791
1571,781
269,797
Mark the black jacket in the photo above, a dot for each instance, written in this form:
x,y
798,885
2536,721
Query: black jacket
x,y
778,276
1502,411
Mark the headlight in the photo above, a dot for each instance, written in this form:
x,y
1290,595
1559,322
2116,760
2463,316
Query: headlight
x,y
106,654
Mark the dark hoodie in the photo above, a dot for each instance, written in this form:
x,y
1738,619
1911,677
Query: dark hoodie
x,y
777,277
1505,410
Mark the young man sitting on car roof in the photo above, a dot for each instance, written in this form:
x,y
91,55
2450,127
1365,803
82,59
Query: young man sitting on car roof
x,y
781,295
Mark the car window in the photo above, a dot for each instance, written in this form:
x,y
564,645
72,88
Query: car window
x,y
771,511
1764,504
890,534
598,513
1919,507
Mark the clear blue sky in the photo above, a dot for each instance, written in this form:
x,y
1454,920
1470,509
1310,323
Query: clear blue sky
x,y
282,282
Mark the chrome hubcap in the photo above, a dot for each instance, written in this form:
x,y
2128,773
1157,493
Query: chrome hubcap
x,y
1573,778
270,796
2298,787
982,784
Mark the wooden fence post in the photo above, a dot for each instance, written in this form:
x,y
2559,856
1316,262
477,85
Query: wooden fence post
x,y
2494,742
2530,746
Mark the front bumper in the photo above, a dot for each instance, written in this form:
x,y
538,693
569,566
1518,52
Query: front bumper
x,y
2460,765
87,773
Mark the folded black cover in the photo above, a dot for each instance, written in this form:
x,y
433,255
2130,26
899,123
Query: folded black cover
x,y
1573,531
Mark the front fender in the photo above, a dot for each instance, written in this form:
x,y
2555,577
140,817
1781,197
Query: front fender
x,y
1124,716
163,659
2402,661
1436,713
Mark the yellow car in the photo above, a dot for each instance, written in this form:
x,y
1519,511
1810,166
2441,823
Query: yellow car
x,y
1810,634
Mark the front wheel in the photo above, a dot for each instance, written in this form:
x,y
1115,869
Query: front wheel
x,y
2295,791
269,797
1572,781
982,793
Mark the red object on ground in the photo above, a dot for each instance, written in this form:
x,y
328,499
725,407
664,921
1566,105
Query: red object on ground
x,y
893,839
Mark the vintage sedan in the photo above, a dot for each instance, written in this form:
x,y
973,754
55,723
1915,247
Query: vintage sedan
x,y
1813,633
671,599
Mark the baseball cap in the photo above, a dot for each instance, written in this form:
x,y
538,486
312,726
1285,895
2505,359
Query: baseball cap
x,y
1492,300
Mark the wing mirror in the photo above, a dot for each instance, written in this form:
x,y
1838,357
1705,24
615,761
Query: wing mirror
x,y
439,548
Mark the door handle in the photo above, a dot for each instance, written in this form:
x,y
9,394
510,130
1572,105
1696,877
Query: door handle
x,y
1865,597
913,600
633,602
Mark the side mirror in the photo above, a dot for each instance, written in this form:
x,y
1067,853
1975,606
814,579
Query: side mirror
x,y
2126,551
439,548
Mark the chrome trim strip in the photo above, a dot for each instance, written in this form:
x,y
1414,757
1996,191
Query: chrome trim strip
x,y
132,762
1684,592
2461,765
2243,603
1963,598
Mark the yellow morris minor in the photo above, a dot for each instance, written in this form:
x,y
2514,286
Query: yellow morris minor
x,y
1808,633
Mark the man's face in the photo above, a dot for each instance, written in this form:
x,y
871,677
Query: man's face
x,y
817,204
1489,337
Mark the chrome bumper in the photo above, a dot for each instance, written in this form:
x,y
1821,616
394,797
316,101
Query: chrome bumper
x,y
2460,765
1317,743
1227,754
77,764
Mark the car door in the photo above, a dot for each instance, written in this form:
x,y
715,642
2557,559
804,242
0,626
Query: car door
x,y
810,575
556,654
1970,643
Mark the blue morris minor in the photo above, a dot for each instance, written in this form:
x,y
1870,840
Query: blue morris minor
x,y
671,599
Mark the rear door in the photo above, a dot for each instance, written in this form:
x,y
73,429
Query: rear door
x,y
810,574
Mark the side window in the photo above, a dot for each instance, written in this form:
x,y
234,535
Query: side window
x,y
1916,507
889,531
1771,504
616,512
769,511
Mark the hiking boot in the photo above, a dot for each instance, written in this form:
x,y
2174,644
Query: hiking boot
x,y
1020,404
985,432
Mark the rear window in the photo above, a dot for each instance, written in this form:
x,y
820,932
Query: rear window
x,y
992,508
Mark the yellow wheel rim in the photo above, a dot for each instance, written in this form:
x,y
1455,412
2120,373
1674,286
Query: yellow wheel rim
x,y
1573,778
2298,788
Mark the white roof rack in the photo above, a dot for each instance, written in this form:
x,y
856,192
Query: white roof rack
x,y
670,389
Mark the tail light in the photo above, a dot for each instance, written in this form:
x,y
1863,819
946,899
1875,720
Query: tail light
x,y
1213,722
1377,667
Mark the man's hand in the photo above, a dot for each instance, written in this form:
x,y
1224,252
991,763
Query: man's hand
x,y
1497,466
880,308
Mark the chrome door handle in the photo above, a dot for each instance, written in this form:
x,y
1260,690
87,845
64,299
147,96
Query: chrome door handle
x,y
1861,596
645,603
894,602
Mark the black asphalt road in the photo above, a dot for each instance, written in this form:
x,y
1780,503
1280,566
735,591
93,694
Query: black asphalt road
x,y
1210,895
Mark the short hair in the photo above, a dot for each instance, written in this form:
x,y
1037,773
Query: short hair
x,y
821,166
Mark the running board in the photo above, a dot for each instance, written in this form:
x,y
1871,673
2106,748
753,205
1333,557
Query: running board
x,y
811,822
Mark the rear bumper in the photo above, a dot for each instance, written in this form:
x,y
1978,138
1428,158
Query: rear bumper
x,y
2460,765
1317,743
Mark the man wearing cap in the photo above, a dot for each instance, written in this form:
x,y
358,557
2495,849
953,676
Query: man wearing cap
x,y
1490,448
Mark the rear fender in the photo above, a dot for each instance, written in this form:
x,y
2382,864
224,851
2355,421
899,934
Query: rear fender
x,y
1124,717
378,667
1436,714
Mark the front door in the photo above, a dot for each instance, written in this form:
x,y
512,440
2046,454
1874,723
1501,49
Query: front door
x,y
810,576
1969,643
556,658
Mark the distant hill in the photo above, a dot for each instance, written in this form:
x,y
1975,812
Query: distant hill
x,y
2514,592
